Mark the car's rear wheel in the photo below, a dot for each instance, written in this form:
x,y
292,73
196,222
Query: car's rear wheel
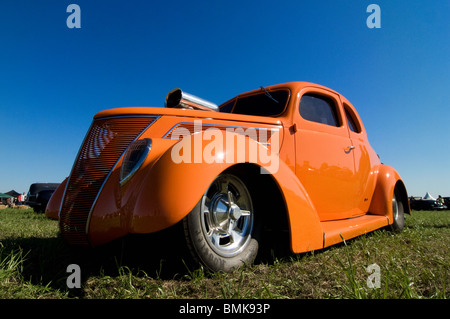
x,y
398,212
220,230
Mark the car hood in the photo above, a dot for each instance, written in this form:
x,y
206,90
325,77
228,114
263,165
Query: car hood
x,y
140,111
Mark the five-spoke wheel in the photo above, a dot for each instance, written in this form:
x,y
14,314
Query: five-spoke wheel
x,y
220,229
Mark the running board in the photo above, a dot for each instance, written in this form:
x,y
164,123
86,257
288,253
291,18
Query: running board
x,y
335,230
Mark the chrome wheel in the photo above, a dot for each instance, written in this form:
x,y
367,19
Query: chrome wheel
x,y
398,213
394,207
227,216
222,230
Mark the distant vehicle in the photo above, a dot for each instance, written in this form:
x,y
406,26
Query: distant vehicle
x,y
419,203
447,202
39,195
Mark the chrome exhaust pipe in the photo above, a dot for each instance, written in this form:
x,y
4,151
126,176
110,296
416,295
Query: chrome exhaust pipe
x,y
179,99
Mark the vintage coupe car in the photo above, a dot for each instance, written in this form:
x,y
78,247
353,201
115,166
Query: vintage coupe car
x,y
293,155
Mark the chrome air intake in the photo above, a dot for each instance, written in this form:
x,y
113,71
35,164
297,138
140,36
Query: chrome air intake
x,y
179,99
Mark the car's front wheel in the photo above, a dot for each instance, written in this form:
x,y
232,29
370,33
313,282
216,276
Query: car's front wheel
x,y
220,230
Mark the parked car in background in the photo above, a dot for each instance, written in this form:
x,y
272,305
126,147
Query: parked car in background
x,y
419,203
447,202
39,195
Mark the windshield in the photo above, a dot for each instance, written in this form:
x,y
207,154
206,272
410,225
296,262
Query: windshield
x,y
261,104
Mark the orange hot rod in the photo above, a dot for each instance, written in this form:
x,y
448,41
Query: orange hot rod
x,y
292,156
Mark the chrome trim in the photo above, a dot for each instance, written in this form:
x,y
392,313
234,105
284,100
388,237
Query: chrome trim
x,y
71,171
82,143
88,220
138,164
128,115
221,125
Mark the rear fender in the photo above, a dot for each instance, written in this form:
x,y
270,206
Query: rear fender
x,y
388,180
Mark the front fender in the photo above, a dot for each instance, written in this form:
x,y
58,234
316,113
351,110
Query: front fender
x,y
174,184
170,191
306,232
54,204
164,190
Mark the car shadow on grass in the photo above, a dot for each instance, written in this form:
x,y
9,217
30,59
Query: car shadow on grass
x,y
162,256
45,261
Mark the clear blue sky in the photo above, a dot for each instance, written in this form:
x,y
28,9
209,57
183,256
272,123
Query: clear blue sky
x,y
131,53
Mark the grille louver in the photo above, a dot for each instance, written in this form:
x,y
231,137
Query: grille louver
x,y
105,142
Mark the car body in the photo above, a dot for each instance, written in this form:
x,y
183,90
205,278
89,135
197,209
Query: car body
x,y
293,155
39,195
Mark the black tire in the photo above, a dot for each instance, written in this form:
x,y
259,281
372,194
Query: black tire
x,y
220,230
398,213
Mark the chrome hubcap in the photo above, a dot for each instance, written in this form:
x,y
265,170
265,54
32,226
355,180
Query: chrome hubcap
x,y
227,215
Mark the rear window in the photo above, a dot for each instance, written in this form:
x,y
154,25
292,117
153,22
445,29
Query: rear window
x,y
262,104
351,120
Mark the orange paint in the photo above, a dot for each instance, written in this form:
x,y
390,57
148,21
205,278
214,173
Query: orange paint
x,y
328,175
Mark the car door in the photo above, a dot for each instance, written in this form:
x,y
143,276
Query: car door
x,y
324,159
364,156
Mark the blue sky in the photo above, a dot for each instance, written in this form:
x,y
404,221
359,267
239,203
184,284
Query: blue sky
x,y
53,79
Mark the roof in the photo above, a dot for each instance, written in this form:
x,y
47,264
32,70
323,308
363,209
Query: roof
x,y
13,193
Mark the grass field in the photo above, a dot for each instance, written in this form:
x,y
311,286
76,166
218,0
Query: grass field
x,y
413,264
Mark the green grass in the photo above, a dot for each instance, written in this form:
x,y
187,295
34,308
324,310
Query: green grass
x,y
413,264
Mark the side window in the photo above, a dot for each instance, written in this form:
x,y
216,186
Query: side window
x,y
351,120
320,109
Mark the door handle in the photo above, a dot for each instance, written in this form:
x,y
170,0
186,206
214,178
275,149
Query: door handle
x,y
349,149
